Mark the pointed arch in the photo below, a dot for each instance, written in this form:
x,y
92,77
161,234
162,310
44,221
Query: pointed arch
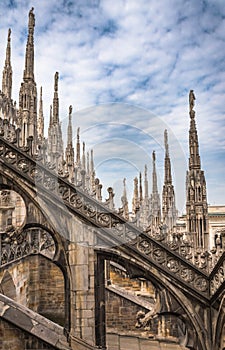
x,y
196,334
52,225
7,286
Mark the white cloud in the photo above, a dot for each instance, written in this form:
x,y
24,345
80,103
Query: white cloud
x,y
149,53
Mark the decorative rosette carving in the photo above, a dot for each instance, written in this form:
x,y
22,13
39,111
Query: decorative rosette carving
x,y
118,228
187,274
76,201
173,245
30,241
200,284
10,156
130,235
36,174
64,191
173,265
158,255
23,165
90,210
104,219
144,247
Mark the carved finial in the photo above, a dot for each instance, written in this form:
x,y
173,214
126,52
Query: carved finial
x,y
140,187
31,18
110,201
8,50
56,81
146,182
167,165
110,192
7,72
191,100
88,164
9,34
98,189
154,175
83,158
153,156
40,121
125,209
50,119
56,100
69,129
154,198
135,200
92,167
166,143
78,146
29,57
92,171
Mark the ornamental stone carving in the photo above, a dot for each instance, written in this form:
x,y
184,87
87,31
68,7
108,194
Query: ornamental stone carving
x,y
30,241
180,265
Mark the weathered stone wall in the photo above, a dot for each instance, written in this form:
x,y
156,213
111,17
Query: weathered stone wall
x,y
50,285
118,276
12,337
121,313
37,283
19,273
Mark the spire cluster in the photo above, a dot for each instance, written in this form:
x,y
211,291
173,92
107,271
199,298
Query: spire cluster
x,y
78,165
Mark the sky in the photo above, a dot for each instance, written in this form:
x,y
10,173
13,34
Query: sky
x,y
126,67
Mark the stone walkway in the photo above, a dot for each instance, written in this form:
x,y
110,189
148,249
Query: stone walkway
x,y
128,342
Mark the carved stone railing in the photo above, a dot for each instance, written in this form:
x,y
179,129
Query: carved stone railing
x,y
37,169
217,276
111,224
181,245
171,256
171,263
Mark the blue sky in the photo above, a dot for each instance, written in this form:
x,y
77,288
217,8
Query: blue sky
x,y
127,68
